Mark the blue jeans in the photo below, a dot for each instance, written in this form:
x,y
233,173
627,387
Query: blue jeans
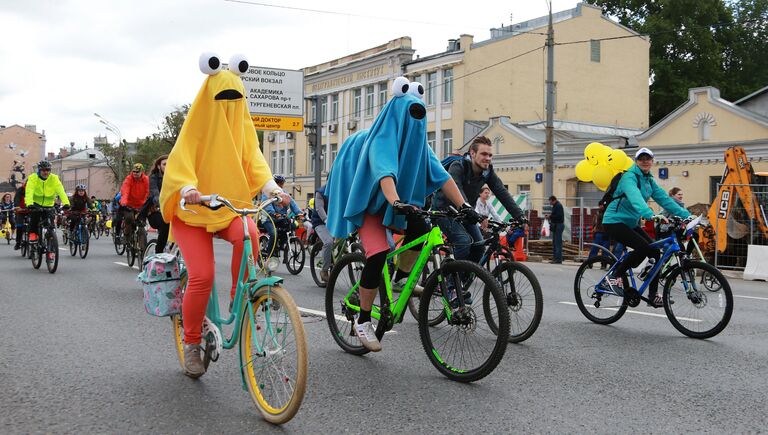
x,y
557,242
461,236
600,239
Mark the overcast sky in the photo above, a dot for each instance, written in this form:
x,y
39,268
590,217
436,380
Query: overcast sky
x,y
133,61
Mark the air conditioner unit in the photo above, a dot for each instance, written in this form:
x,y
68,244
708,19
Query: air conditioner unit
x,y
271,137
351,125
332,128
289,135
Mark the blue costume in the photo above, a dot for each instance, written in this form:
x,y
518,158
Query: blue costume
x,y
395,146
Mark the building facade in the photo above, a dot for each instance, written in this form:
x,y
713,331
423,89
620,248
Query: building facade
x,y
86,167
20,150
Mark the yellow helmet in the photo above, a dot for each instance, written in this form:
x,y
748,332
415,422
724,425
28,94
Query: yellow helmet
x,y
312,203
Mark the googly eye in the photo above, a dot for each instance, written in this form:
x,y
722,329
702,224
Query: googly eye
x,y
400,87
416,89
209,63
238,64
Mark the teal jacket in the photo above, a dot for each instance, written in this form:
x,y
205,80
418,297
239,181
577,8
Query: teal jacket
x,y
631,203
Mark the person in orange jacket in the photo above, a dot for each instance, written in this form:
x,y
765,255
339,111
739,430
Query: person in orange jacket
x,y
133,195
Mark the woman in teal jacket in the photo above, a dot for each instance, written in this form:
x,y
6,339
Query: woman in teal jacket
x,y
622,218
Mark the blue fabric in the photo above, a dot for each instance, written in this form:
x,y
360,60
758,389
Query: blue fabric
x,y
395,146
557,242
629,209
275,208
603,240
463,238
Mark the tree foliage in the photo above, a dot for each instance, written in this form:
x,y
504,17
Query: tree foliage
x,y
161,142
698,43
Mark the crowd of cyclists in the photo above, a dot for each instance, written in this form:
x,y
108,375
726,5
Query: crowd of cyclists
x,y
377,187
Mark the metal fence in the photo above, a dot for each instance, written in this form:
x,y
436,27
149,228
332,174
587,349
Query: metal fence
x,y
741,221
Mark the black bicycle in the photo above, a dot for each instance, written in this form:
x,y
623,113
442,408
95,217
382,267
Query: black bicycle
x,y
136,239
287,244
340,247
79,239
47,245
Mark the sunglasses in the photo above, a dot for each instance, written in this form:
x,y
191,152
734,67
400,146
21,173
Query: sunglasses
x,y
136,172
45,170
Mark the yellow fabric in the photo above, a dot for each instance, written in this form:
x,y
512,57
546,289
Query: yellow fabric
x,y
217,152
44,192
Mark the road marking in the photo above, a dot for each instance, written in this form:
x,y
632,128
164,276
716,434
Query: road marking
x,y
63,249
751,297
639,312
339,318
122,264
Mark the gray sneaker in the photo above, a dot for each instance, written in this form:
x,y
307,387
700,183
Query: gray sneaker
x,y
398,286
193,362
324,275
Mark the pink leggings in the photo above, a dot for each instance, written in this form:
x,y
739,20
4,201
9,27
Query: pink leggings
x,y
196,246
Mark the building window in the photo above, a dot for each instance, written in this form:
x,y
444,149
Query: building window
x,y
369,100
334,152
289,169
431,140
523,188
274,161
323,155
323,109
382,94
594,50
335,108
431,88
448,85
312,111
312,160
447,142
357,102
281,162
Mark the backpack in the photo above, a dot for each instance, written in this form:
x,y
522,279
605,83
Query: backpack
x,y
161,282
608,195
448,161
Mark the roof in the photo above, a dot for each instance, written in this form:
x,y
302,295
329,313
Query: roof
x,y
751,96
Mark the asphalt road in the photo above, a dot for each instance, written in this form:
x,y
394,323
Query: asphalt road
x,y
80,355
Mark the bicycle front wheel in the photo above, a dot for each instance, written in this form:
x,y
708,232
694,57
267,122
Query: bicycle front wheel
x,y
52,254
316,263
294,256
464,348
85,243
340,316
522,292
273,354
36,253
698,300
119,245
601,308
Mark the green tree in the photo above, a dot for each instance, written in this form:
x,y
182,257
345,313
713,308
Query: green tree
x,y
116,157
162,141
698,43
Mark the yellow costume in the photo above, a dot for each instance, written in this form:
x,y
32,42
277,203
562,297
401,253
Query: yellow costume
x,y
217,152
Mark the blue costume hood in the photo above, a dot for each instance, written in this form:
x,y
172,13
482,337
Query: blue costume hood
x,y
395,146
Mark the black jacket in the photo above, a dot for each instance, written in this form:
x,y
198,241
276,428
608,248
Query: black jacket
x,y
471,184
557,216
155,184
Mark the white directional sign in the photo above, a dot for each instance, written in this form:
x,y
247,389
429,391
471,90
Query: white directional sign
x,y
274,91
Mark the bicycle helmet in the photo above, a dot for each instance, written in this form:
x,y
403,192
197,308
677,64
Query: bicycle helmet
x,y
279,179
80,187
43,164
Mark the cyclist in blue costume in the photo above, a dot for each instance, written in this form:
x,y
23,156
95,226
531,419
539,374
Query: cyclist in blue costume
x,y
386,168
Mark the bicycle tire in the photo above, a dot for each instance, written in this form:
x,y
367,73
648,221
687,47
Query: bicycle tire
x,y
72,248
177,324
272,300
84,245
24,244
519,296
295,257
36,254
460,368
686,309
583,290
53,251
263,253
340,322
130,253
119,245
314,257
141,246
149,250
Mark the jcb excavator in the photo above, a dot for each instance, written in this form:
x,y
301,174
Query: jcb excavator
x,y
734,186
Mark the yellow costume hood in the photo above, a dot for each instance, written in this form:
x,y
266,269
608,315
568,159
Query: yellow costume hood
x,y
217,150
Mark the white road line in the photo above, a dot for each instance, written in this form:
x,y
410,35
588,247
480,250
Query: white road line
x,y
339,318
63,249
751,297
122,264
664,316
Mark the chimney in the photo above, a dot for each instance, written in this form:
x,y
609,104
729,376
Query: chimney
x,y
453,45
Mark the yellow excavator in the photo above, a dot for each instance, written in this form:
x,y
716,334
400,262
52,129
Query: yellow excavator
x,y
735,187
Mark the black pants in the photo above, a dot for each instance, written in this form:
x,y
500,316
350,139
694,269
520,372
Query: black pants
x,y
156,221
639,241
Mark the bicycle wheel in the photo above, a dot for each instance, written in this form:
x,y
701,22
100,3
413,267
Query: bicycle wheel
x,y
273,354
522,292
294,256
340,317
316,263
65,236
130,251
85,243
178,326
72,248
52,256
463,348
149,250
118,242
24,244
263,250
36,253
691,306
141,246
436,312
602,308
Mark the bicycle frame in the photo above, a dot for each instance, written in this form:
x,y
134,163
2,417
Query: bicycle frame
x,y
431,240
669,246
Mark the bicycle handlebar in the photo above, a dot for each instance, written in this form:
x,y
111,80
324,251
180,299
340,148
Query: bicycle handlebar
x,y
215,202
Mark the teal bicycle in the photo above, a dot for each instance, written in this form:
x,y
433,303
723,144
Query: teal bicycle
x,y
470,337
267,325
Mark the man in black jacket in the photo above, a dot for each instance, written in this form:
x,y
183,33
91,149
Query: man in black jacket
x,y
557,225
471,174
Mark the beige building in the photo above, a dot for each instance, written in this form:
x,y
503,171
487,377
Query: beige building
x,y
488,87
20,150
86,167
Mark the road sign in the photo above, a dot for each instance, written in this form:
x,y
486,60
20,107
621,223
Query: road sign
x,y
274,91
281,123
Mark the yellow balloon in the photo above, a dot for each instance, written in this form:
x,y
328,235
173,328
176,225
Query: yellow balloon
x,y
584,171
602,177
602,155
616,159
590,152
628,164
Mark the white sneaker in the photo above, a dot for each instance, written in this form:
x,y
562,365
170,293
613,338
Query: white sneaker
x,y
367,335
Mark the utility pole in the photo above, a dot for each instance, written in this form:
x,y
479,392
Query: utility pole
x,y
550,146
318,142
